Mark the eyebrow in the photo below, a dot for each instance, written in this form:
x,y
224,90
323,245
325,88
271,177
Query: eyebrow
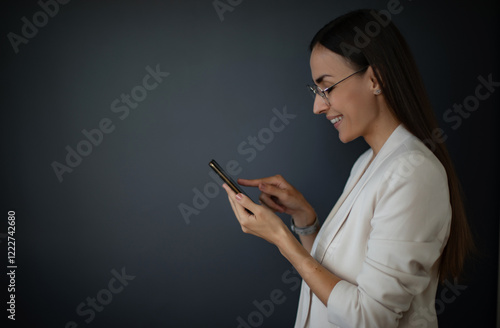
x,y
319,79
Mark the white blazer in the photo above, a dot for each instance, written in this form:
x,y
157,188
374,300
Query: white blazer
x,y
383,239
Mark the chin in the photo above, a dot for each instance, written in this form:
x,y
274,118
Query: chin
x,y
345,138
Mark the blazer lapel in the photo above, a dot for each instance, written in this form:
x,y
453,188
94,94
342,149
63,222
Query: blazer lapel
x,y
331,224
306,293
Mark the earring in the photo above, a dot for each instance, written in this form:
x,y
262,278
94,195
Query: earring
x,y
378,91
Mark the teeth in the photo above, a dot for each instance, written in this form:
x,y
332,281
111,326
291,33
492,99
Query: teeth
x,y
337,119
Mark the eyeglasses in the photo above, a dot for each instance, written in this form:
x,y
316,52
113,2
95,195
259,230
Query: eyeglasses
x,y
324,93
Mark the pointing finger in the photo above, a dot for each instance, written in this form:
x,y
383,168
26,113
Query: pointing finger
x,y
249,182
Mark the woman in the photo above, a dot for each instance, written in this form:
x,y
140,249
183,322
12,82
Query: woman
x,y
399,227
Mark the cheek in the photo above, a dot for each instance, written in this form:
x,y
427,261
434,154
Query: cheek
x,y
359,108
346,105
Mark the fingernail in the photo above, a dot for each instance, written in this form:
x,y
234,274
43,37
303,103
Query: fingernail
x,y
239,197
262,185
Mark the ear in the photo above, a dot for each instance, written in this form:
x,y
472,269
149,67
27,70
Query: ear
x,y
375,84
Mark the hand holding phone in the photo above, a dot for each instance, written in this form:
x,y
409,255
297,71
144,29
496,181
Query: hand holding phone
x,y
227,179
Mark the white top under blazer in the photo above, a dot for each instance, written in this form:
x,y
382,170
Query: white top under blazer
x,y
383,239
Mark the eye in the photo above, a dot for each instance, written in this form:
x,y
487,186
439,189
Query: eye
x,y
328,90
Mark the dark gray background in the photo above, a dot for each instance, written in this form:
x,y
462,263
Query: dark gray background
x,y
119,207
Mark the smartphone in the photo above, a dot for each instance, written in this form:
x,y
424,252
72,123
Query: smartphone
x,y
227,179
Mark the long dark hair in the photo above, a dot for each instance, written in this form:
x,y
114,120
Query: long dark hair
x,y
368,37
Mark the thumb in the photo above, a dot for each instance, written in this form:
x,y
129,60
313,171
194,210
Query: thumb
x,y
246,202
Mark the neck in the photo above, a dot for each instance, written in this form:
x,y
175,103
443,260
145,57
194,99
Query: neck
x,y
380,132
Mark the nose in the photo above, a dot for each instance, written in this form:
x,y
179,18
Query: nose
x,y
320,106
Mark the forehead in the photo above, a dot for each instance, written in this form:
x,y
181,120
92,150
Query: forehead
x,y
325,62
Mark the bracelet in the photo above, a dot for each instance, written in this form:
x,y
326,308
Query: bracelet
x,y
309,230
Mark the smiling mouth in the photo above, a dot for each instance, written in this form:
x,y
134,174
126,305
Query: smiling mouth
x,y
337,119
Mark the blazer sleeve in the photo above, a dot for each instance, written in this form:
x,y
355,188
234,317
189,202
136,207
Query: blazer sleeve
x,y
410,226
